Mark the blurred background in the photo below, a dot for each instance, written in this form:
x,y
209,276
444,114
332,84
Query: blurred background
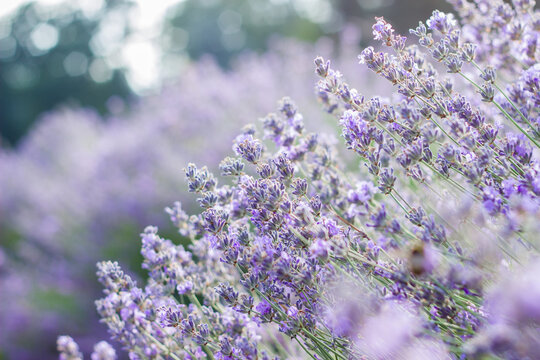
x,y
82,52
103,102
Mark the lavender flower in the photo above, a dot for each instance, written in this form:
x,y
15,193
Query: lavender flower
x,y
103,351
301,253
106,179
68,348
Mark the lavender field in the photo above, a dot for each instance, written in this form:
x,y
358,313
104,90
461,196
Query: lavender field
x,y
370,195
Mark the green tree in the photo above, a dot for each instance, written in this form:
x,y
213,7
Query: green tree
x,y
47,58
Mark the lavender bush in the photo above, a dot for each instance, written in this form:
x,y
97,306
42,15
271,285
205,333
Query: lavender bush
x,y
79,189
423,247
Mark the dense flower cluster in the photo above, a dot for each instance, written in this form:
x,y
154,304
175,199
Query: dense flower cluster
x,y
80,188
422,247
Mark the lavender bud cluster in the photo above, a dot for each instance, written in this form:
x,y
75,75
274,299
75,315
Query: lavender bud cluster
x,y
424,246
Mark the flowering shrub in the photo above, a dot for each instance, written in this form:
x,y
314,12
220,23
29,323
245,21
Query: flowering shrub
x,y
427,250
80,188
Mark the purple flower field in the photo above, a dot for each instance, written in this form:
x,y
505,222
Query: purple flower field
x,y
385,205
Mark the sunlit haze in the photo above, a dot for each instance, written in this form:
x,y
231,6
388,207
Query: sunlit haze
x,y
139,53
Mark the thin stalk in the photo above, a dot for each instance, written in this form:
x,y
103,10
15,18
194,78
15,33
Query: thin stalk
x,y
161,346
504,113
507,98
397,202
516,124
306,350
401,198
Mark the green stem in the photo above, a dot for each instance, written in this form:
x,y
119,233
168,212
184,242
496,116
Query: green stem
x,y
516,124
306,350
397,202
507,98
504,113
161,346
